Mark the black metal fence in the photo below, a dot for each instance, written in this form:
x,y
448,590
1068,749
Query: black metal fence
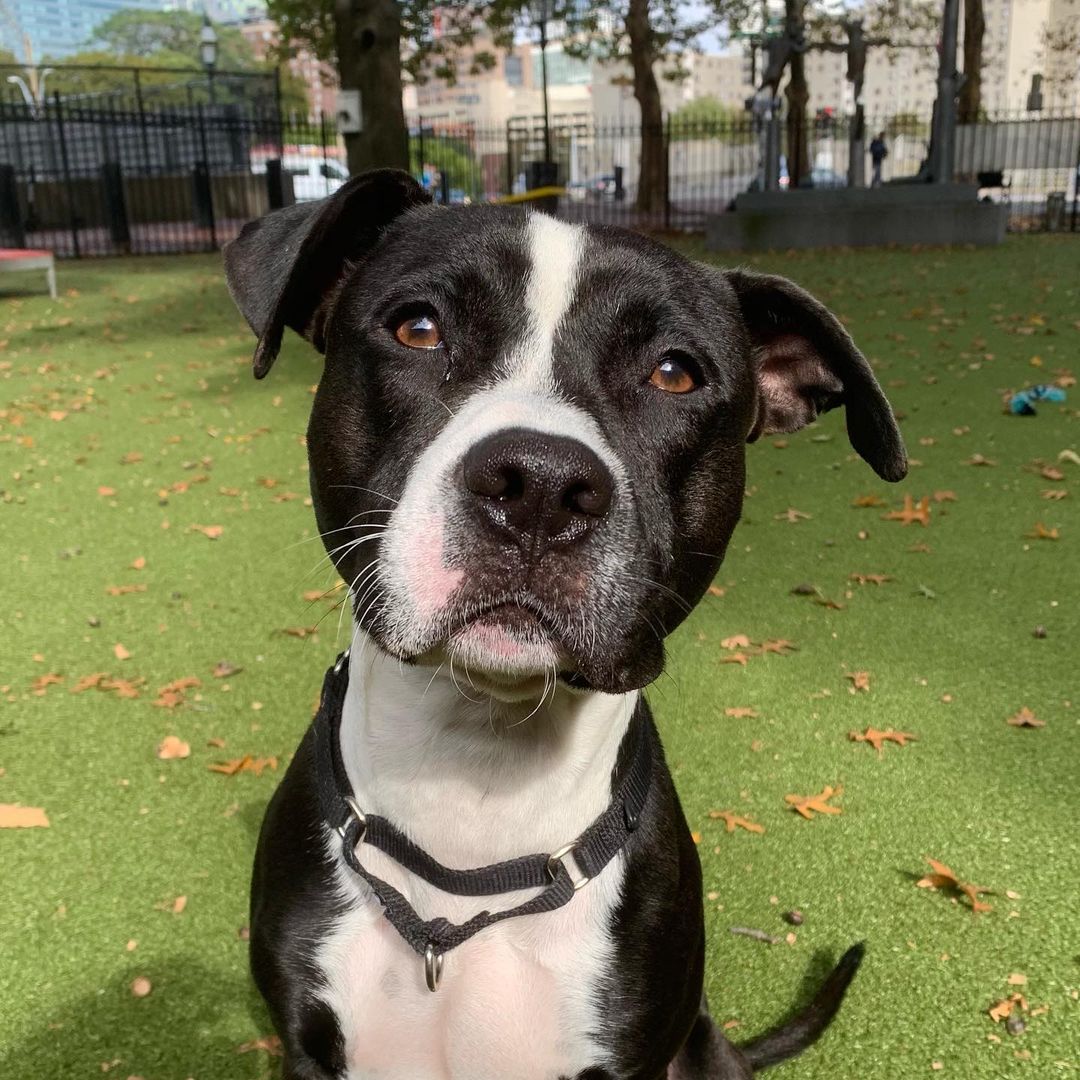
x,y
100,174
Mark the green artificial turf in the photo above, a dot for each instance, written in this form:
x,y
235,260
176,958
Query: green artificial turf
x,y
147,356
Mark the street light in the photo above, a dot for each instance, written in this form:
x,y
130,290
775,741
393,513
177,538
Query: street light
x,y
208,43
541,12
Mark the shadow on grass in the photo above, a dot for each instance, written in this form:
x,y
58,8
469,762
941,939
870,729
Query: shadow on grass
x,y
177,1031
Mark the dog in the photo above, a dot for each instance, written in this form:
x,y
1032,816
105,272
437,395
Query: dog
x,y
527,456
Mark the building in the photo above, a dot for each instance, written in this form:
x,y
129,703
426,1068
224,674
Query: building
x,y
32,29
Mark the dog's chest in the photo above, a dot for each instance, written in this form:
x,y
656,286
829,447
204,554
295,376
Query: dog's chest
x,y
521,999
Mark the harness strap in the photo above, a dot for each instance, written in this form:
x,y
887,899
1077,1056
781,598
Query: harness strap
x,y
432,939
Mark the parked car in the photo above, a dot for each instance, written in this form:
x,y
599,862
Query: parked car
x,y
826,178
599,187
312,177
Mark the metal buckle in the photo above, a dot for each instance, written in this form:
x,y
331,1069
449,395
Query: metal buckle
x,y
340,663
558,857
433,963
361,818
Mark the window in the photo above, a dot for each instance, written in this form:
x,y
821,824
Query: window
x,y
513,70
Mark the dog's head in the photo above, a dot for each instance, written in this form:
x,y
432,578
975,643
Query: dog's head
x,y
527,447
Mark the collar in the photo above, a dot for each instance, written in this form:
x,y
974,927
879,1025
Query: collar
x,y
432,939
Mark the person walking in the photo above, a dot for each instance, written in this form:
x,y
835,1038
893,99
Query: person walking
x,y
878,153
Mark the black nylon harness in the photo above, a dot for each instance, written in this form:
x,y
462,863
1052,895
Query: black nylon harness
x,y
432,939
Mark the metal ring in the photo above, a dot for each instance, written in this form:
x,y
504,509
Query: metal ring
x,y
340,663
360,817
557,859
433,962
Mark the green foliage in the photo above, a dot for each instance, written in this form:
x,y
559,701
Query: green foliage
x,y
152,34
451,156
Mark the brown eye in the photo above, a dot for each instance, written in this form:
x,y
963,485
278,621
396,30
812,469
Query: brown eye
x,y
420,332
675,376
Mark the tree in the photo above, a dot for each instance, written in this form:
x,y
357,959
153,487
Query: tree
x,y
971,91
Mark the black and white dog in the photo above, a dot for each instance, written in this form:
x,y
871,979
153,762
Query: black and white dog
x,y
527,458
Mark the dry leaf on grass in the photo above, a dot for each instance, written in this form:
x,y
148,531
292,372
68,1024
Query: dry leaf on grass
x,y
139,563
877,739
741,712
224,670
911,512
270,1043
732,821
792,515
1002,1010
43,682
869,502
172,748
736,641
14,816
120,652
715,590
247,763
735,658
808,805
860,680
300,631
211,532
870,579
124,590
1041,532
779,646
1025,718
944,878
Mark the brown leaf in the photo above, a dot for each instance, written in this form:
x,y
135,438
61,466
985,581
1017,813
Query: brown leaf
x,y
224,670
172,748
42,682
780,646
139,563
300,631
877,739
871,579
1055,494
741,713
178,905
14,816
247,763
125,688
1041,532
911,512
1050,472
944,878
807,805
869,502
732,821
944,496
715,590
124,590
792,515
860,680
1003,1009
88,682
736,641
106,492
131,458
270,1043
739,658
211,532
120,652
1026,718
978,459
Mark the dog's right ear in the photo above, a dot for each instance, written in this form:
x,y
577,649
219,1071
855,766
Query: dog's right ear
x,y
282,268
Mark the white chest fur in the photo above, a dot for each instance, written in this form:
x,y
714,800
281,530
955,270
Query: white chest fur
x,y
520,999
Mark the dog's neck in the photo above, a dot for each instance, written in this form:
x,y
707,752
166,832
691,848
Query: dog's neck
x,y
473,778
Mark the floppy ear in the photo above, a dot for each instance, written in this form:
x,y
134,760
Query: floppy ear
x,y
282,268
808,364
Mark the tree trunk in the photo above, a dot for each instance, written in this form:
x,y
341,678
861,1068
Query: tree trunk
x,y
971,92
797,94
367,38
652,174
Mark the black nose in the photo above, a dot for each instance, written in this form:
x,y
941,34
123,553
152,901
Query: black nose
x,y
540,489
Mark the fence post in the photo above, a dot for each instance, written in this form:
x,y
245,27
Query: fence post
x,y
67,176
12,227
112,182
202,195
275,186
1076,187
142,123
667,171
509,163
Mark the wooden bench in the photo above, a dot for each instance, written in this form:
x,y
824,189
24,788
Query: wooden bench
x,y
18,259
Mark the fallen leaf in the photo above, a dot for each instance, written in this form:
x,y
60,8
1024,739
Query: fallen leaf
x,y
870,579
1048,472
247,763
1054,493
14,816
88,682
741,713
792,515
106,492
125,688
172,748
696,836
217,743
739,658
42,682
911,512
732,821
869,502
1026,718
178,905
978,459
120,652
224,670
779,646
131,458
736,641
944,878
1016,979
1003,1009
139,563
877,739
300,631
944,496
860,680
807,805
715,590
1041,532
270,1043
124,590
211,532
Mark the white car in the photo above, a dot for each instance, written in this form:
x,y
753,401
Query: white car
x,y
314,178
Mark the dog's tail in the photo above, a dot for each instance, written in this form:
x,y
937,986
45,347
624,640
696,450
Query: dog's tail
x,y
798,1033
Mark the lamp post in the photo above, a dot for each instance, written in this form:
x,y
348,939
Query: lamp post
x,y
541,12
208,45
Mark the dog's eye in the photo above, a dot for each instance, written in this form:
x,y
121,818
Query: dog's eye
x,y
676,375
419,332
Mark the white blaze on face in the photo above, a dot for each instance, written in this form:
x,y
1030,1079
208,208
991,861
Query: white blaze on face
x,y
419,575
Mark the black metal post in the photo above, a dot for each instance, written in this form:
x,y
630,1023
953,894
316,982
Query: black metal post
x,y
943,138
202,190
667,171
1076,190
67,176
279,122
112,181
12,227
543,76
509,163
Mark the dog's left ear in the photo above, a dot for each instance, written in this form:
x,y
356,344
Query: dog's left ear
x,y
808,364
282,269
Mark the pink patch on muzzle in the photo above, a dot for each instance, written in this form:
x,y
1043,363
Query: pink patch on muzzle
x,y
430,581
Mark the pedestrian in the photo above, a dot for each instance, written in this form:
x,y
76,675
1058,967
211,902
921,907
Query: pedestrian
x,y
878,153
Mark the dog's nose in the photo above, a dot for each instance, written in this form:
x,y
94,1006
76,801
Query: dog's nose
x,y
539,488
